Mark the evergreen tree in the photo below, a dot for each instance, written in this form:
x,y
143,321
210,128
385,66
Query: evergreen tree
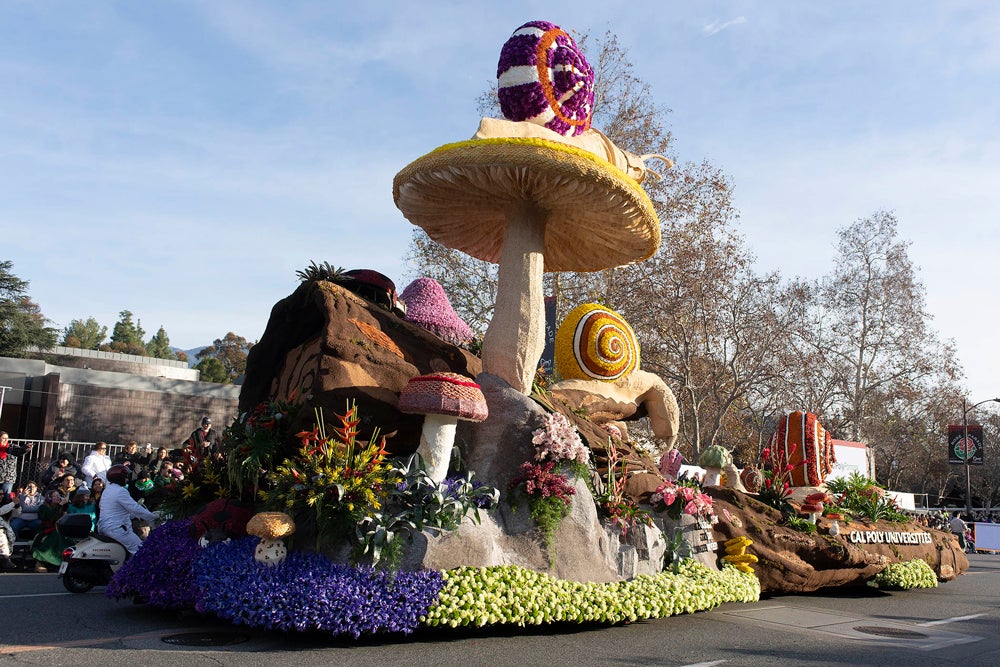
x,y
22,324
212,370
127,336
159,346
87,335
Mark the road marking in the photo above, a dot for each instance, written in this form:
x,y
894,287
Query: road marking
x,y
51,646
705,664
31,595
953,619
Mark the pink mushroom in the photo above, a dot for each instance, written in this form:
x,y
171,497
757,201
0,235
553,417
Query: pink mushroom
x,y
443,398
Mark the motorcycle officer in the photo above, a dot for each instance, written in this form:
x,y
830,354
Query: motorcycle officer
x,y
117,508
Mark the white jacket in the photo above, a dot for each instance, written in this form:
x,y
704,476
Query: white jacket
x,y
95,465
118,508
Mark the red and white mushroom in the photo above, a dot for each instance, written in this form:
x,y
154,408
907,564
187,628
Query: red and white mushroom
x,y
812,509
443,399
835,526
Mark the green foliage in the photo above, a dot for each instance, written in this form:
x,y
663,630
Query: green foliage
x,y
255,438
204,481
915,573
417,503
516,596
800,524
861,496
623,511
212,370
22,324
231,351
324,271
158,346
86,334
127,336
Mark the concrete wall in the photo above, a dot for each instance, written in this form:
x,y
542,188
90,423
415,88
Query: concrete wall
x,y
55,402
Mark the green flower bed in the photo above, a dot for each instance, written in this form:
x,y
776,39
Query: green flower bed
x,y
513,595
915,573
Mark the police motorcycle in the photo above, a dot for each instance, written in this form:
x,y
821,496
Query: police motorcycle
x,y
92,560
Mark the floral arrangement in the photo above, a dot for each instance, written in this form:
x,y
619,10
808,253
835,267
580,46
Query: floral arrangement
x,y
255,440
204,481
915,573
595,343
161,571
333,482
428,307
807,446
549,496
415,503
776,472
860,496
557,440
736,553
676,499
527,88
309,592
511,595
623,511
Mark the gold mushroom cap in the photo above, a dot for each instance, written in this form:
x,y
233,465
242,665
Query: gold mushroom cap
x,y
596,216
271,525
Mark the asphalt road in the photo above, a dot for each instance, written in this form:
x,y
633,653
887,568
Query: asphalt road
x,y
955,624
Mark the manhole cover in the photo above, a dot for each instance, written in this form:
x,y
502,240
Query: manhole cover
x,y
883,631
205,639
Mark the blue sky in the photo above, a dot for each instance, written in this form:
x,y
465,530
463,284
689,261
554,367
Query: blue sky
x,y
183,159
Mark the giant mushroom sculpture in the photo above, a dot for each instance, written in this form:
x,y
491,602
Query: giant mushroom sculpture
x,y
530,204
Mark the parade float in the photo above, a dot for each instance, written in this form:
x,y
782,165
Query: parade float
x,y
382,477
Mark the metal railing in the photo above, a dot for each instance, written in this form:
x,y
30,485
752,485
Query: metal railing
x,y
33,463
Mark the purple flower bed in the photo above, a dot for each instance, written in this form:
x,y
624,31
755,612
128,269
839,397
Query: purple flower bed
x,y
308,592
161,570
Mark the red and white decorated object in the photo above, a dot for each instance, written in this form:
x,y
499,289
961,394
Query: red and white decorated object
x,y
807,446
444,394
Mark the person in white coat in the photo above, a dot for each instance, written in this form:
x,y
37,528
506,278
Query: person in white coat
x,y
96,464
117,509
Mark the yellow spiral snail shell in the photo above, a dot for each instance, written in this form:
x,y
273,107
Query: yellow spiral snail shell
x,y
595,343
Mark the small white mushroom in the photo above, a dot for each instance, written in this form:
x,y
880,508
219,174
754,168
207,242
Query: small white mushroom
x,y
443,399
271,527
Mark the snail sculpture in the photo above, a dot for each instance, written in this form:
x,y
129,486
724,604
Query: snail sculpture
x,y
544,78
595,343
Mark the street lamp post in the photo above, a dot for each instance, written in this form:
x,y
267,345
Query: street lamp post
x,y
965,449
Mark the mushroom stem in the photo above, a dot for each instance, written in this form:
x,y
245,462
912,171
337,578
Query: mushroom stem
x,y
515,339
436,442
712,476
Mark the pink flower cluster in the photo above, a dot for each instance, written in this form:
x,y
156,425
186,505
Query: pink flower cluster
x,y
542,481
558,440
676,499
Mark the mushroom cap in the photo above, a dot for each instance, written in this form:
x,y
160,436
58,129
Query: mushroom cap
x,y
444,394
271,525
818,497
597,217
834,517
427,306
715,456
811,508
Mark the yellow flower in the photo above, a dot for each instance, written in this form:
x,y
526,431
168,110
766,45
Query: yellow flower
x,y
190,490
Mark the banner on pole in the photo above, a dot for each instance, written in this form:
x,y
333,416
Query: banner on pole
x,y
959,449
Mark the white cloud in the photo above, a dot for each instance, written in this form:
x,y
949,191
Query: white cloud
x,y
717,27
